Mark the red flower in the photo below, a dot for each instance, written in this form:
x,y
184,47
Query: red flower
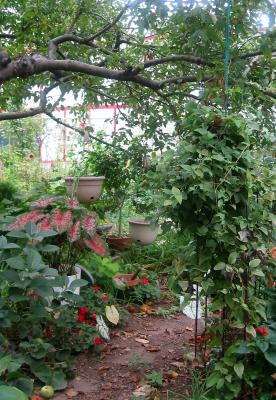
x,y
104,297
265,332
81,318
82,311
262,331
96,288
144,281
271,284
47,333
94,316
98,341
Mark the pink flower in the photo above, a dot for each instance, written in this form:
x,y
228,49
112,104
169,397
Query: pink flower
x,y
22,220
89,224
97,341
74,232
45,225
97,245
144,281
43,203
61,220
72,203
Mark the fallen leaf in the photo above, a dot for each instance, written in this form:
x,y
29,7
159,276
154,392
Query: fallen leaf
x,y
132,309
152,349
104,368
71,392
178,364
147,309
142,341
172,374
189,328
145,391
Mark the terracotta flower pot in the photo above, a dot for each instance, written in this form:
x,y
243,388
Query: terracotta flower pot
x,y
141,231
89,188
125,280
119,243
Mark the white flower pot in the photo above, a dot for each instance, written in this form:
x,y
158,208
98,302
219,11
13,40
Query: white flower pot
x,y
141,231
89,188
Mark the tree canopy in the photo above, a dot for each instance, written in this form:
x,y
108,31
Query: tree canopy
x,y
153,55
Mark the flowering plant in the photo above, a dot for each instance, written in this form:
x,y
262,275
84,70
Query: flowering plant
x,y
73,230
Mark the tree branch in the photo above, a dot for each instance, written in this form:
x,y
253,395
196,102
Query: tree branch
x,y
37,64
107,27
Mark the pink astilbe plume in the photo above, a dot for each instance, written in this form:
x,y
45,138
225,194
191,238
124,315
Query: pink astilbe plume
x,y
72,203
45,225
60,220
89,224
43,203
97,245
22,220
74,232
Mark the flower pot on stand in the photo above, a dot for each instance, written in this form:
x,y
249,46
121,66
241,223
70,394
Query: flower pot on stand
x,y
142,231
88,190
119,243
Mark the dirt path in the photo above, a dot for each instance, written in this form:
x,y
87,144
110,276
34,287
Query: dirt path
x,y
146,343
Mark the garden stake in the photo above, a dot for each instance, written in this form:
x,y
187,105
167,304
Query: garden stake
x,y
196,320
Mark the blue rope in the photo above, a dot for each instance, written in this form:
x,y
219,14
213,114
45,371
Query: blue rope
x,y
227,49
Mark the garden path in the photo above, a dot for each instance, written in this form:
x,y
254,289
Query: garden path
x,y
147,343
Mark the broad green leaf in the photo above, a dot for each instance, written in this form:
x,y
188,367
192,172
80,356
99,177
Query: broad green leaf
x,y
16,262
254,263
232,258
239,369
77,283
11,393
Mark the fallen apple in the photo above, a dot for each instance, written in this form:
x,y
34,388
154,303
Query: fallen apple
x,y
47,392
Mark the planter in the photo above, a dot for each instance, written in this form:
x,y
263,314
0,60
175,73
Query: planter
x,y
125,280
88,190
141,231
105,228
119,243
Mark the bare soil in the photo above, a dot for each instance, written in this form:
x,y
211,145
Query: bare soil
x,y
147,343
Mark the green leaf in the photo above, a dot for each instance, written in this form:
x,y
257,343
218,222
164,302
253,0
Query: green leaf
x,y
77,283
270,355
258,272
220,266
167,203
16,262
254,263
24,384
11,393
4,363
177,194
239,369
50,248
232,258
213,379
